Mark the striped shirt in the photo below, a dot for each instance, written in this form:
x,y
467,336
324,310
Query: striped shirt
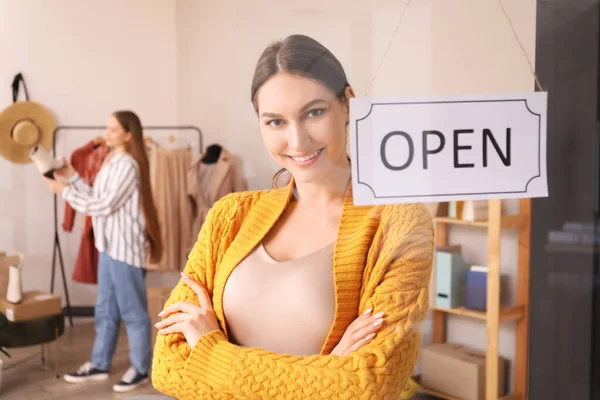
x,y
114,205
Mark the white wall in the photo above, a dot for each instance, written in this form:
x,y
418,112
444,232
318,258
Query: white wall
x,y
83,60
442,47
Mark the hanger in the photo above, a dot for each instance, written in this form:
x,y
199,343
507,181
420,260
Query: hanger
x,y
150,143
173,143
98,141
212,154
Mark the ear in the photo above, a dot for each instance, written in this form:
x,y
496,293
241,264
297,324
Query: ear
x,y
348,94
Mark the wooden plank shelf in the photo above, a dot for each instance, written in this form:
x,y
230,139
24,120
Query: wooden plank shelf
x,y
437,394
444,396
507,222
506,314
567,248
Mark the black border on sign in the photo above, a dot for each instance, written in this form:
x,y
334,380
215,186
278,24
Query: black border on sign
x,y
445,102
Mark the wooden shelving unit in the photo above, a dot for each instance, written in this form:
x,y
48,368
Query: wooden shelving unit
x,y
447,397
495,315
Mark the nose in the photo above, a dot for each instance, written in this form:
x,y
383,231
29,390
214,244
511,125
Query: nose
x,y
299,139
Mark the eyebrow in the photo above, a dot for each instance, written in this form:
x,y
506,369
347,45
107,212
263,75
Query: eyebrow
x,y
305,107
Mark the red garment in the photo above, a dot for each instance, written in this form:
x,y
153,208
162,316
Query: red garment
x,y
87,161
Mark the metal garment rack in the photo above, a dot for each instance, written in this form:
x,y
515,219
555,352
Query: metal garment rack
x,y
86,311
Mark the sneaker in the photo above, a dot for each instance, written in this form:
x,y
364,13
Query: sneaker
x,y
87,372
130,381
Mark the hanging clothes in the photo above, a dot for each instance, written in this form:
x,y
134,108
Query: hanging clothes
x,y
211,179
168,173
87,161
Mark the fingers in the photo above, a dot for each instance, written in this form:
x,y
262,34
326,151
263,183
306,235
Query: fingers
x,y
203,297
175,328
362,342
363,330
172,319
182,306
365,320
52,185
371,325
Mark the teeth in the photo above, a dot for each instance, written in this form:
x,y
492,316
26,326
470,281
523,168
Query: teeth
x,y
303,159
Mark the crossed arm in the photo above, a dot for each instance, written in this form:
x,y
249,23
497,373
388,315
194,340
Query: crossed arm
x,y
215,368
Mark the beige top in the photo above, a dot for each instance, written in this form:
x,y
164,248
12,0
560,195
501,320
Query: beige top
x,y
207,183
286,307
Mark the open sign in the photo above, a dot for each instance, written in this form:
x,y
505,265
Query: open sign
x,y
450,148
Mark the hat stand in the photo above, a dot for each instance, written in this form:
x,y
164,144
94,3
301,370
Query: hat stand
x,y
87,311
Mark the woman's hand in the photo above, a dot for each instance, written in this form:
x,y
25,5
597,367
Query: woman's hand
x,y
189,319
359,333
55,185
65,172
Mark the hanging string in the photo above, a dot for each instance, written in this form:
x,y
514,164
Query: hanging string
x,y
388,48
539,85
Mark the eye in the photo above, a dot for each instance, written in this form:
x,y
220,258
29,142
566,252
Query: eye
x,y
316,112
275,122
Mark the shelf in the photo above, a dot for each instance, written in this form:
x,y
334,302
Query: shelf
x,y
440,395
437,394
572,248
508,221
448,220
506,314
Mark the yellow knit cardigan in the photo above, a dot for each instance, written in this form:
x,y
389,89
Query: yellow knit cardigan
x,y
382,259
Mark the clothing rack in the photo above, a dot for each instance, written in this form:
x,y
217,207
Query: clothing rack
x,y
86,311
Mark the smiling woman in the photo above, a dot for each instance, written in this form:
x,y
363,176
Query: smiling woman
x,y
307,130
295,292
315,119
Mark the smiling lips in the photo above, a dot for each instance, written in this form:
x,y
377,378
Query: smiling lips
x,y
305,160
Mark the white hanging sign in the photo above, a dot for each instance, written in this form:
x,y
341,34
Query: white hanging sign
x,y
433,149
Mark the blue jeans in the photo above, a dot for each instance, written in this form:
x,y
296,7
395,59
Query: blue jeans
x,y
121,295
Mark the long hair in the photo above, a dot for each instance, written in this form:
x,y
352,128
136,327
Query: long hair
x,y
130,122
301,55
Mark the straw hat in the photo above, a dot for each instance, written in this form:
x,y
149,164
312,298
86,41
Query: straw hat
x,y
23,126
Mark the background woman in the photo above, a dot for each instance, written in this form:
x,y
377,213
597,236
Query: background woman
x,y
126,229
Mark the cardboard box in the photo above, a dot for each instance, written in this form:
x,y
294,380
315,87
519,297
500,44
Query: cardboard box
x,y
458,371
35,304
10,259
157,297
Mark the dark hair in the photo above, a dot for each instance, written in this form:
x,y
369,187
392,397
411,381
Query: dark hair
x,y
130,122
301,55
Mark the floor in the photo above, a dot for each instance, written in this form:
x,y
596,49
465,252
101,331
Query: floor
x,y
24,377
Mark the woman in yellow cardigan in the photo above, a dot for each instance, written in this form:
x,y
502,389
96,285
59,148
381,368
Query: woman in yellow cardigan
x,y
295,292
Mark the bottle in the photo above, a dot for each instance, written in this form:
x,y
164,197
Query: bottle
x,y
14,291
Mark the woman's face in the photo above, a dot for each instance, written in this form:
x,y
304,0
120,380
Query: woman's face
x,y
116,137
303,125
